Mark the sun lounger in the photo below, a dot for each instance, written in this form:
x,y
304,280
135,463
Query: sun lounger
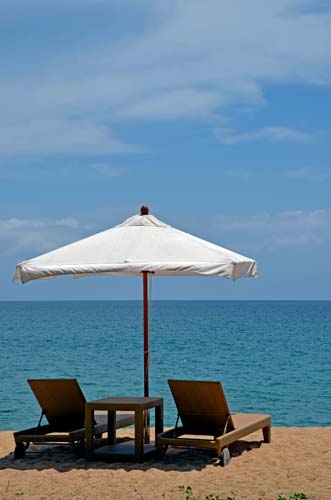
x,y
207,421
63,404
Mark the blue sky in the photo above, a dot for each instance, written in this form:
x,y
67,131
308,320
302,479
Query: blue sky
x,y
214,113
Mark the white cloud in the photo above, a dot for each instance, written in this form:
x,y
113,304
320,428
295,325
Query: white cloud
x,y
183,103
269,232
269,134
60,136
189,60
34,236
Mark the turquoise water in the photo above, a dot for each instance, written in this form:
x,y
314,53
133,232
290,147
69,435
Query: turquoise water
x,y
272,357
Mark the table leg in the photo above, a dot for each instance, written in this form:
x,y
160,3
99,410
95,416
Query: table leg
x,y
111,427
158,419
89,424
139,434
147,427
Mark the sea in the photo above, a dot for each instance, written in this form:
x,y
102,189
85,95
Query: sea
x,y
271,356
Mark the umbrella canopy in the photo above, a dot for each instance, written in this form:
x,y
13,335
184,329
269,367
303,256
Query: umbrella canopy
x,y
140,246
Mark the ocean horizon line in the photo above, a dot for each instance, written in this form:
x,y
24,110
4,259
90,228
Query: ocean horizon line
x,y
164,300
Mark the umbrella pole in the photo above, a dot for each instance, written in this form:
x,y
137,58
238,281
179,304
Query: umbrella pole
x,y
146,356
146,351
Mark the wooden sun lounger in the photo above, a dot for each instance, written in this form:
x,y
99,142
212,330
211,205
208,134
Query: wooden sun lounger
x,y
207,421
63,404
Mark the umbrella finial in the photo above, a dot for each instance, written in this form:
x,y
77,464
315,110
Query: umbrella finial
x,y
144,210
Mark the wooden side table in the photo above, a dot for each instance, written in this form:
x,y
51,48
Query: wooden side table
x,y
122,450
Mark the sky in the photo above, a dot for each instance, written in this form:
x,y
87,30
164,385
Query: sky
x,y
214,113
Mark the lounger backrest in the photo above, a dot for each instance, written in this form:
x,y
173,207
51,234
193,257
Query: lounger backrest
x,y
61,401
202,406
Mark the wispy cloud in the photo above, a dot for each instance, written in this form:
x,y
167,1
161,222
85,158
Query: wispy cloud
x,y
20,236
61,172
182,103
107,170
272,232
14,223
269,134
61,136
309,174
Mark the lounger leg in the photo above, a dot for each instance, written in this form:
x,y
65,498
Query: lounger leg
x,y
20,450
267,434
162,449
79,448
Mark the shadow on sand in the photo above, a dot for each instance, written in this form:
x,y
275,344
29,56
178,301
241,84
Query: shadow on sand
x,y
62,459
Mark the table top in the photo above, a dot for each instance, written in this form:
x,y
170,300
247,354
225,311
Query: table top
x,y
125,403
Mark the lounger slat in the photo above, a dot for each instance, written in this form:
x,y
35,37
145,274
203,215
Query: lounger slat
x,y
62,402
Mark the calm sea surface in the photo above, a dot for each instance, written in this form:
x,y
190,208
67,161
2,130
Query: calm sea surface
x,y
271,357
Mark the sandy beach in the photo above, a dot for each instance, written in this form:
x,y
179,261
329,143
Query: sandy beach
x,y
297,460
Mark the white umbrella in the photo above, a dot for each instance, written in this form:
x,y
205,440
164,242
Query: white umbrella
x,y
141,245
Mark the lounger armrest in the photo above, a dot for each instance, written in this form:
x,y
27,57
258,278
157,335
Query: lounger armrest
x,y
42,429
253,423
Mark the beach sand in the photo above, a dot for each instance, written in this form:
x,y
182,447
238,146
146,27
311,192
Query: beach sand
x,y
297,460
